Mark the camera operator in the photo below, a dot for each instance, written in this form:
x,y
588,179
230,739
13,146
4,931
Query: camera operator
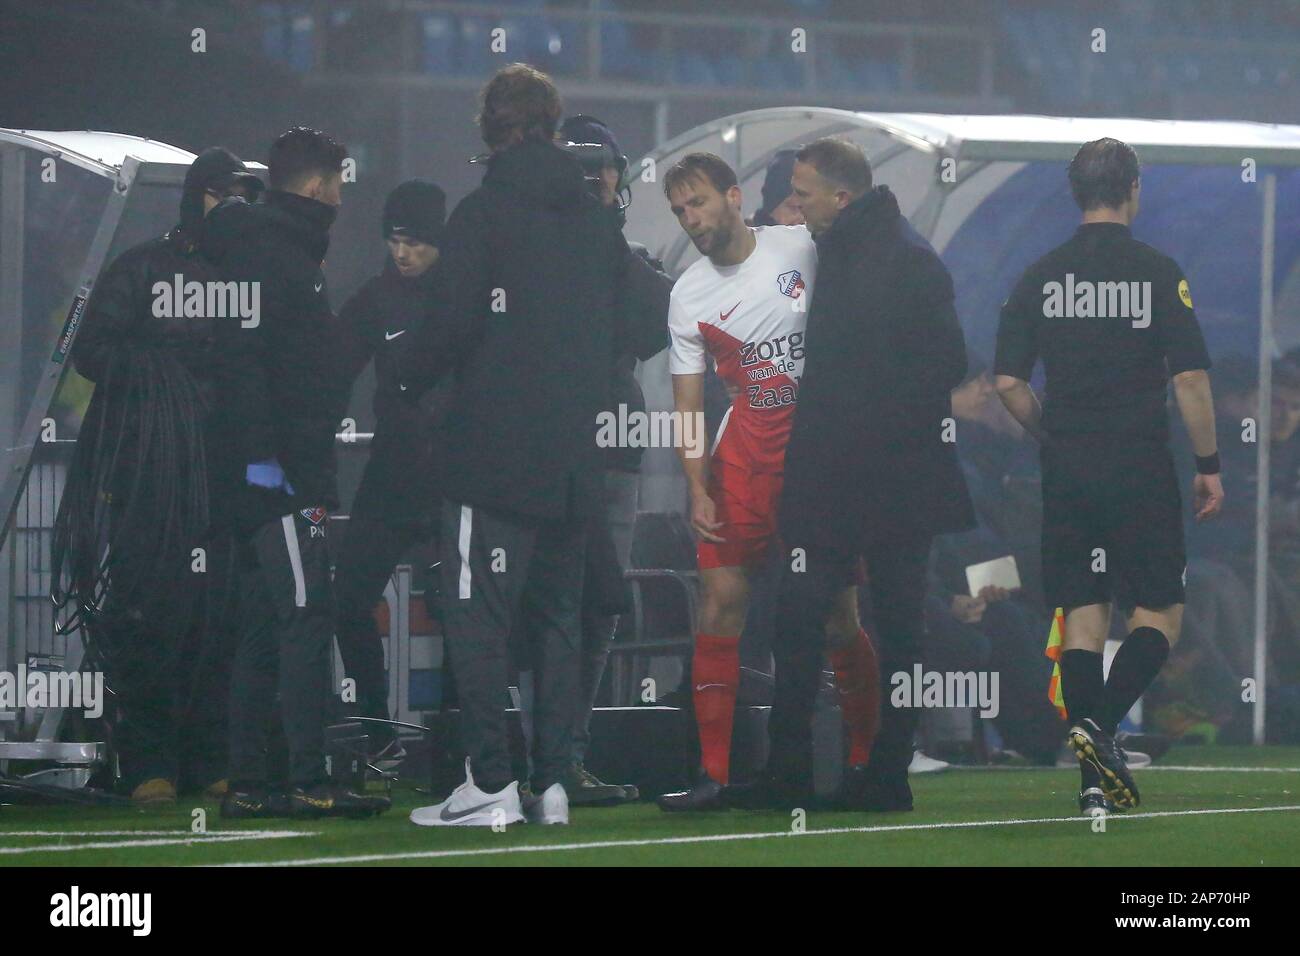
x,y
143,450
609,535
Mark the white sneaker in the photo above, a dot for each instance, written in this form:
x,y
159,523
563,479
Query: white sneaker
x,y
468,806
1135,759
923,764
551,807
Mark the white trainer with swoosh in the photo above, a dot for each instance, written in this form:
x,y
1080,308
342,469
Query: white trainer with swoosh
x,y
468,806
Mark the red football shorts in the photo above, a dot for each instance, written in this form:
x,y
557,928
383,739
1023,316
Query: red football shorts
x,y
745,504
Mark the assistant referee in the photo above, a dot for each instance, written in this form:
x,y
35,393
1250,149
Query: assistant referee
x,y
1112,320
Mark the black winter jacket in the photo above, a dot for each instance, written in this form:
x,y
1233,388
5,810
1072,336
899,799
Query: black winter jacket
x,y
867,456
120,313
535,313
280,391
120,319
377,322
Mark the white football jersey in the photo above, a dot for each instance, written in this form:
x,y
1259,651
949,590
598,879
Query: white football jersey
x,y
750,318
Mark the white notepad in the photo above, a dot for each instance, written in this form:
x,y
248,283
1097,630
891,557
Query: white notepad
x,y
1000,572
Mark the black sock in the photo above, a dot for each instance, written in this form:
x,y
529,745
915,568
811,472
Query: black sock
x,y
1082,684
1135,666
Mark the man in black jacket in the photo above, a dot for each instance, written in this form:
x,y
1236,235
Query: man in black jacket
x,y
280,403
533,262
161,633
393,509
870,471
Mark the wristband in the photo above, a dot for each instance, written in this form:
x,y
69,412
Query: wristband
x,y
1207,464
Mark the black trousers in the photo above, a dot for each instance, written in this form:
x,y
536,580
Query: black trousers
x,y
286,629
370,550
171,688
897,579
496,567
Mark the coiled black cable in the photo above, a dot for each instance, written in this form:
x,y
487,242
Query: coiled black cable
x,y
134,508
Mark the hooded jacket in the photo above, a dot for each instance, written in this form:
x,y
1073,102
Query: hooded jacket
x,y
867,455
120,316
120,313
279,394
534,314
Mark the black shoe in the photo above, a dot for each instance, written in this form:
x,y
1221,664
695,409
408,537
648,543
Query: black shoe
x,y
853,789
334,800
770,792
707,794
882,796
243,802
1095,747
1093,803
584,788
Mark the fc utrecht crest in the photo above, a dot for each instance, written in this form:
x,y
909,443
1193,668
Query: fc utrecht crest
x,y
790,283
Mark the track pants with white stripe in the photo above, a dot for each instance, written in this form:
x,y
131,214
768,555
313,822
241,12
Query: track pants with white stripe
x,y
286,624
495,567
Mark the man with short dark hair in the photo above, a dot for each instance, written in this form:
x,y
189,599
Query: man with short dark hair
x,y
279,405
1112,320
533,316
869,475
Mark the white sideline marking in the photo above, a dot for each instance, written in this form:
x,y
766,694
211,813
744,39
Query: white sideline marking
x,y
1158,766
727,837
173,832
1222,769
232,836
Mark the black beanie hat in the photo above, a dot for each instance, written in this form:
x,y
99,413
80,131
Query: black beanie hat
x,y
214,168
582,128
416,208
776,185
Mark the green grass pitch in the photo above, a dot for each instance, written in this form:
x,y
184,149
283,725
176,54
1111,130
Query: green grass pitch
x,y
963,817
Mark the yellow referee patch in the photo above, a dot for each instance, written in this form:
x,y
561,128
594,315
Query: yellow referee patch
x,y
1185,293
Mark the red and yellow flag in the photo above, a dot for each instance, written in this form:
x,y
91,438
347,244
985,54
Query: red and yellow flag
x,y
1053,652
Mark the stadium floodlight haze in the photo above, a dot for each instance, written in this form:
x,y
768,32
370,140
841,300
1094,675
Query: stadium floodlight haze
x,y
801,434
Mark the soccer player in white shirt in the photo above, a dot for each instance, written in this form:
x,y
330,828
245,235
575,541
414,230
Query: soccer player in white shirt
x,y
744,304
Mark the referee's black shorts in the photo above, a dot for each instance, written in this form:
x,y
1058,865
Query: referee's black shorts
x,y
1120,495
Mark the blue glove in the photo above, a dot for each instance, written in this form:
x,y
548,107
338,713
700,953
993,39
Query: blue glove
x,y
267,474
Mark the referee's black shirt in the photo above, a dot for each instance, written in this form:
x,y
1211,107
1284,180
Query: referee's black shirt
x,y
1112,320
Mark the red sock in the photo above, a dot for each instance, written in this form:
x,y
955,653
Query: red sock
x,y
857,674
715,674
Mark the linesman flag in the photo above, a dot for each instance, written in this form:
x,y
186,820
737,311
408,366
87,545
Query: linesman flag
x,y
1053,652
